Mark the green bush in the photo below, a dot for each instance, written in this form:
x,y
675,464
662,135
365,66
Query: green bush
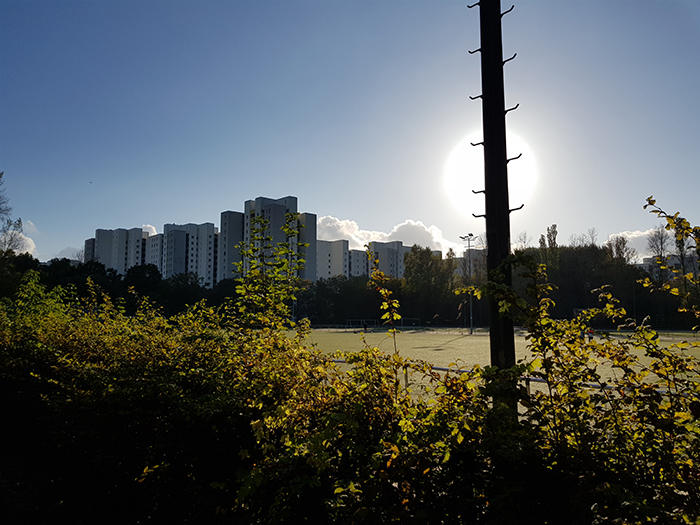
x,y
228,414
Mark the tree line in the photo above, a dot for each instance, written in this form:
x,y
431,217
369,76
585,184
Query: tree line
x,y
427,291
583,267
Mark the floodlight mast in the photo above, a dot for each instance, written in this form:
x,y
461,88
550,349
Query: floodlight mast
x,y
469,237
502,338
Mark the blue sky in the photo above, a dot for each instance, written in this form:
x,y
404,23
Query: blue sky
x,y
129,113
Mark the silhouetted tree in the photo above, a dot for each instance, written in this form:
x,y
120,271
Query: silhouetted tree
x,y
224,289
549,249
429,283
12,267
618,248
11,237
145,278
180,291
658,244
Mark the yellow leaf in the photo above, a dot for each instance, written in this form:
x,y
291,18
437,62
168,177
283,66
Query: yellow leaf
x,y
682,416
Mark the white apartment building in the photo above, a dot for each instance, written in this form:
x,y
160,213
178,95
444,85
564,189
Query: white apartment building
x,y
673,264
174,254
358,264
390,256
136,246
102,247
275,211
154,251
190,248
200,248
307,235
204,253
230,236
332,259
89,250
118,249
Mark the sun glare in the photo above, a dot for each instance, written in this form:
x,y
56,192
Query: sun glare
x,y
464,172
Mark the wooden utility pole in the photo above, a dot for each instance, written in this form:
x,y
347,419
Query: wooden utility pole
x,y
495,174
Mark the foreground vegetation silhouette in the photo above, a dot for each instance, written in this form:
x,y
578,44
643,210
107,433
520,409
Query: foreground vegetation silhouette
x,y
227,414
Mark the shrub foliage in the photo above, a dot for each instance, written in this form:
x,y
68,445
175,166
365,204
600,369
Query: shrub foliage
x,y
228,414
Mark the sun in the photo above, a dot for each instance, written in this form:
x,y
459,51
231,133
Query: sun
x,y
464,172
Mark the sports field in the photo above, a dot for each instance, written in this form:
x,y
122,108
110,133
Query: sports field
x,y
438,347
441,347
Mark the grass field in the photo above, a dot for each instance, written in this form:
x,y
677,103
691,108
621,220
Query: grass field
x,y
438,347
441,347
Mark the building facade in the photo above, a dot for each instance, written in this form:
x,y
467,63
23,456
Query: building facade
x,y
118,249
154,251
358,264
202,249
230,238
191,248
273,211
307,228
332,259
390,256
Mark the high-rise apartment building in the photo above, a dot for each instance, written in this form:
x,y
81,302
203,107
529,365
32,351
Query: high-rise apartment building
x,y
202,249
118,249
135,247
174,252
230,237
273,211
154,251
332,259
358,263
307,236
89,250
103,247
190,248
390,256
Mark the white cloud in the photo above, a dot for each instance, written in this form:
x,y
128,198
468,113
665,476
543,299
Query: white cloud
x,y
409,232
29,227
17,241
637,240
332,229
150,229
412,232
29,245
